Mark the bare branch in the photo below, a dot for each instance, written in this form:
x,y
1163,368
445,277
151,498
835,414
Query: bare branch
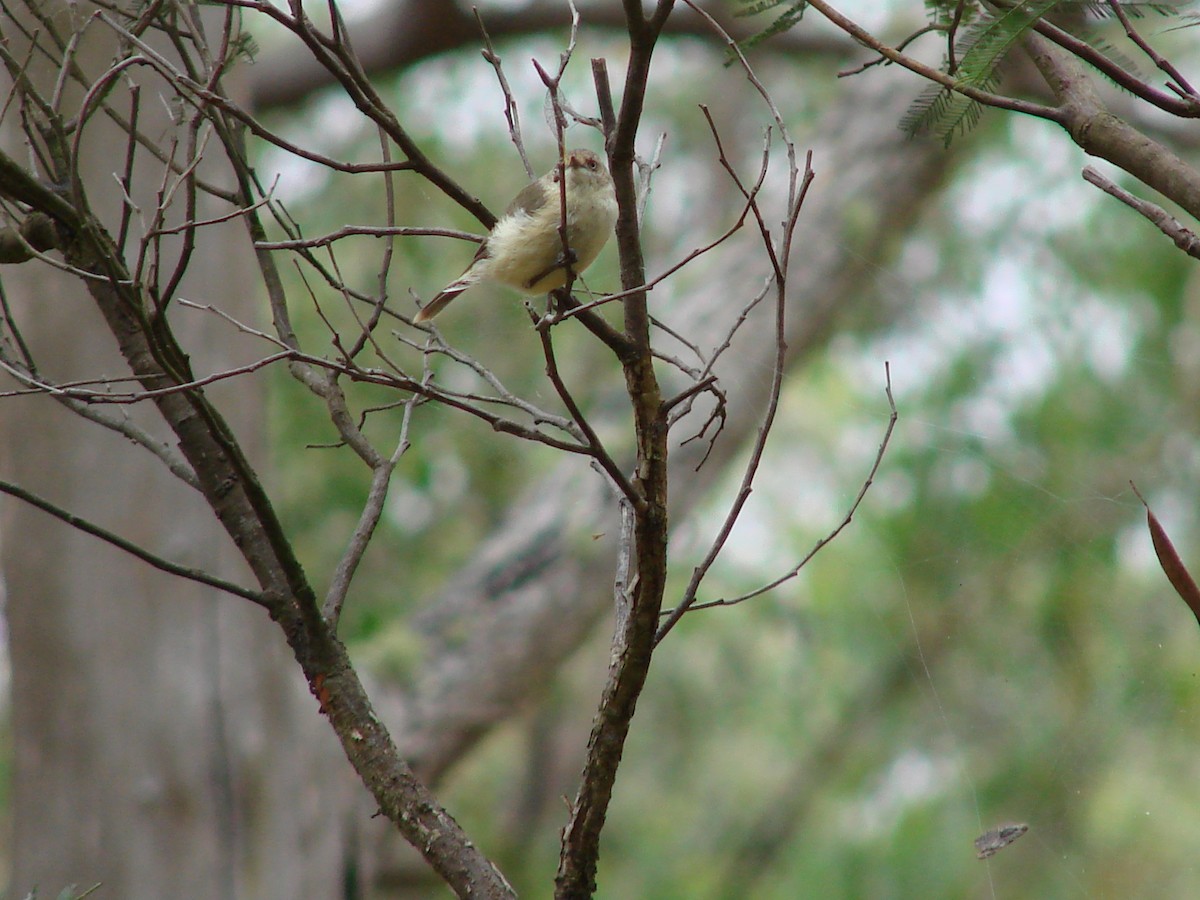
x,y
367,231
435,346
127,397
865,38
368,520
633,642
164,565
1094,128
764,430
596,448
1187,106
1184,238
838,529
511,114
1181,84
116,422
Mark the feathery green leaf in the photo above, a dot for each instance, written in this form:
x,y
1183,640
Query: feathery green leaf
x,y
789,17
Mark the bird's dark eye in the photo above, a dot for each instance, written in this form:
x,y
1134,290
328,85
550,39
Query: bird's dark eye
x,y
592,164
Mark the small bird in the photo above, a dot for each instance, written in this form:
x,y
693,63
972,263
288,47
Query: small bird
x,y
524,249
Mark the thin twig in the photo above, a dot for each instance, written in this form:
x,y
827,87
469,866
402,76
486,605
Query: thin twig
x,y
367,231
130,397
987,98
368,520
841,526
435,346
126,177
952,37
447,398
596,447
512,113
118,423
1187,106
141,553
1184,238
901,46
764,430
1181,83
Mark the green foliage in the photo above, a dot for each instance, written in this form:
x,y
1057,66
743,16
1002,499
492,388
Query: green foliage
x,y
1134,10
977,648
982,631
981,35
785,20
944,112
946,11
984,44
988,33
246,47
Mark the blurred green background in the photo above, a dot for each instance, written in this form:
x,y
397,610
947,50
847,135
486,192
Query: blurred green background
x,y
990,641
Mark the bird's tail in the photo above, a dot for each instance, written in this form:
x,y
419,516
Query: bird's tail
x,y
438,303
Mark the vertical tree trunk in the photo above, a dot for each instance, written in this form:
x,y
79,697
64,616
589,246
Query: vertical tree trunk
x,y
164,744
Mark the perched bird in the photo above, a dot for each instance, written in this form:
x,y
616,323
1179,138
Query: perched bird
x,y
524,249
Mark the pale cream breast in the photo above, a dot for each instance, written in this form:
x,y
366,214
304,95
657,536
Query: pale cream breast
x,y
522,247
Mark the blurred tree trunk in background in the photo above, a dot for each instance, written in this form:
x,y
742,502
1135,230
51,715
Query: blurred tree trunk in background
x,y
871,188
164,742
165,746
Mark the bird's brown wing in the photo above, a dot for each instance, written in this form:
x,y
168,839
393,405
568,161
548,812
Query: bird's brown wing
x,y
530,200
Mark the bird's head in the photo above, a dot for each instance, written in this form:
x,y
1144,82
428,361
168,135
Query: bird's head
x,y
584,167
